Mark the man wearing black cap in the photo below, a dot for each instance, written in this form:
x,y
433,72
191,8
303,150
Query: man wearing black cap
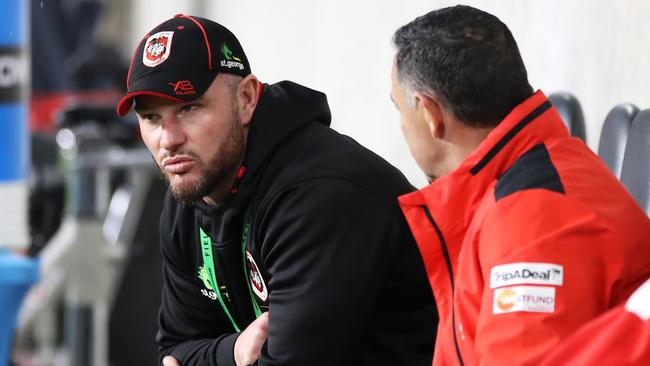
x,y
282,240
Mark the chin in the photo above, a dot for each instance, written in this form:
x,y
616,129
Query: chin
x,y
183,185
183,182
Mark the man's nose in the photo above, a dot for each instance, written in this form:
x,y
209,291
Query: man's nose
x,y
172,135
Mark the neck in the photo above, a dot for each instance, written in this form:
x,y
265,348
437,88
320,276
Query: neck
x,y
209,200
472,139
222,190
225,186
464,141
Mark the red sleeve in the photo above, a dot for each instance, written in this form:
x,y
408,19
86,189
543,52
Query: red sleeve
x,y
546,266
619,337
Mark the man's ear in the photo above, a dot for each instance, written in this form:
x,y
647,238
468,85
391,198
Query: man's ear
x,y
248,94
432,113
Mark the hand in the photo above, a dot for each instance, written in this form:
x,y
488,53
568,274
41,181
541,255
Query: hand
x,y
248,345
170,361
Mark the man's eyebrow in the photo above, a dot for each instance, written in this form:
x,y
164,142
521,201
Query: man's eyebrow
x,y
141,108
138,108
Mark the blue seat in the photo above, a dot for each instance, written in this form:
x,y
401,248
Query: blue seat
x,y
17,275
570,110
614,134
635,174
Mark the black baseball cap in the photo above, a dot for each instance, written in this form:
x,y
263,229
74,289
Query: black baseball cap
x,y
179,59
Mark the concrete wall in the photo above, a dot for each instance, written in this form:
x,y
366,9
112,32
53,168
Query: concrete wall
x,y
593,49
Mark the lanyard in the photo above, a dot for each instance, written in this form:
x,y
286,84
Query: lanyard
x,y
208,262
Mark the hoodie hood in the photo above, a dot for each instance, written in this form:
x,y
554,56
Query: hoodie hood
x,y
283,108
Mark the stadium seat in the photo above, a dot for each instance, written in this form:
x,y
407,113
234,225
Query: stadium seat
x,y
613,136
569,109
635,173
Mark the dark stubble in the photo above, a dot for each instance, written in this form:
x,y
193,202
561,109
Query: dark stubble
x,y
218,167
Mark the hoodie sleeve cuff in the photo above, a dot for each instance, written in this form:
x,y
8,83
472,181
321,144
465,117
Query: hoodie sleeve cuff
x,y
225,350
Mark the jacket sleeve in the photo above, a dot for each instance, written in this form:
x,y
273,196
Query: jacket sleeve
x,y
192,328
326,247
619,337
546,272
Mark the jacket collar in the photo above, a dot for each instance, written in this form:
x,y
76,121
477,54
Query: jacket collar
x,y
453,198
283,108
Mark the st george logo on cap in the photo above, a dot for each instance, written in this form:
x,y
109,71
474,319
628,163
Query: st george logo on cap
x,y
179,59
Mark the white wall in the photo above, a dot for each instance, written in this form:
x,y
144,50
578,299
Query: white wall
x,y
140,16
595,49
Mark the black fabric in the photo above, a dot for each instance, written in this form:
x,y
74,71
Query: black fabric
x,y
346,282
225,357
533,170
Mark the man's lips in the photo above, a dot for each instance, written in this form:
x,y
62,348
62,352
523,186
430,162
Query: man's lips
x,y
178,164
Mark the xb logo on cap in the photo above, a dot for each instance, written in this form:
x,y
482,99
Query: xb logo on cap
x,y
157,49
183,87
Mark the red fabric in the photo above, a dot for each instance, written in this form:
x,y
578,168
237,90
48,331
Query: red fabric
x,y
619,337
595,232
44,107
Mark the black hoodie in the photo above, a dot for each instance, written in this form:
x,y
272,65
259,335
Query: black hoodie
x,y
328,252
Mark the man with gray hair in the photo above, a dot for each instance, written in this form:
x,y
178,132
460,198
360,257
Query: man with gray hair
x,y
524,232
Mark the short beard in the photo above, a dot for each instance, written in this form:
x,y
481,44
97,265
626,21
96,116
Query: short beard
x,y
222,165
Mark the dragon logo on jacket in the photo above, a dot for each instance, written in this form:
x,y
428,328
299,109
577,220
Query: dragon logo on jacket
x,y
257,282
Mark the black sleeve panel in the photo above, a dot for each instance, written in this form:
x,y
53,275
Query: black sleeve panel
x,y
327,246
533,170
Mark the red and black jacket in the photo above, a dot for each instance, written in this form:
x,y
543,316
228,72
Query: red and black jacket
x,y
529,238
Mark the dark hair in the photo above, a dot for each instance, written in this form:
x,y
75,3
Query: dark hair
x,y
466,58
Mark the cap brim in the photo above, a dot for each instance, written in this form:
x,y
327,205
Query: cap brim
x,y
168,85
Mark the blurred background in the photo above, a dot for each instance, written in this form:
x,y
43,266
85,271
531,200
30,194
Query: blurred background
x,y
95,196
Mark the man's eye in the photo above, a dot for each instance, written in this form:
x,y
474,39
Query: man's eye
x,y
188,108
148,116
